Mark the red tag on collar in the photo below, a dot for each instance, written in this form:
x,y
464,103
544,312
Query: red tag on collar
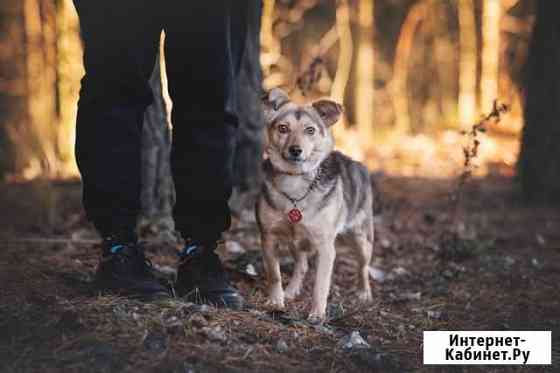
x,y
295,215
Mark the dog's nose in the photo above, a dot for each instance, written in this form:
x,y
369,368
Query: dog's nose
x,y
295,150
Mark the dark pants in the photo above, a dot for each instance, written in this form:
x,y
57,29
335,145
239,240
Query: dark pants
x,y
204,45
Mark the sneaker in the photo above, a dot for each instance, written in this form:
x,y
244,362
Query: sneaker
x,y
201,278
124,270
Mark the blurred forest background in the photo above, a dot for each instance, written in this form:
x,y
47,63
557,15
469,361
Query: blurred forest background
x,y
410,73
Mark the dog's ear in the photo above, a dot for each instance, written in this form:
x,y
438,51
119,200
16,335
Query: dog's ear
x,y
273,101
329,111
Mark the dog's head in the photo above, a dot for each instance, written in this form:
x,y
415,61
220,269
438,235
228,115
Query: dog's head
x,y
298,137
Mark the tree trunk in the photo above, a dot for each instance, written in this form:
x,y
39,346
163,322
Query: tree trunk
x,y
365,72
403,50
12,85
467,63
343,67
491,14
69,71
539,161
40,46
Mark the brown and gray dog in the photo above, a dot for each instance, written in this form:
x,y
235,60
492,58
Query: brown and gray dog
x,y
312,196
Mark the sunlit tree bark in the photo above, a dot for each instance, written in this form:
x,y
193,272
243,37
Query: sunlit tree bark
x,y
40,52
539,161
340,82
69,70
467,62
12,86
491,14
365,71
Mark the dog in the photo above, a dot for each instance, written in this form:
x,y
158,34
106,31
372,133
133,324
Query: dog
x,y
312,197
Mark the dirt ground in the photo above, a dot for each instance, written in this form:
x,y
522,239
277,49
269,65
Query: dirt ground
x,y
502,275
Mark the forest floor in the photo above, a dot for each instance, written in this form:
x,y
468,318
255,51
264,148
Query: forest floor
x,y
503,274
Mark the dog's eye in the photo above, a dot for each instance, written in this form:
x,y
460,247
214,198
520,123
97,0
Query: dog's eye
x,y
310,130
283,128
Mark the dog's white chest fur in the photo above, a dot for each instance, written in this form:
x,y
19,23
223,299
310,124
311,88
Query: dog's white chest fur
x,y
285,194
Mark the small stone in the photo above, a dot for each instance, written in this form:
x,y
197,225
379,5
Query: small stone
x,y
215,334
536,264
282,346
400,271
353,341
509,261
385,243
250,270
120,311
435,315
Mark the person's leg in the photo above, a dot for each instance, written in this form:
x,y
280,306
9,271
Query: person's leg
x,y
204,44
121,39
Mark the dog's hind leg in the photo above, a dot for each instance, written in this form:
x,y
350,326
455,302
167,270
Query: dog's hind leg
x,y
300,270
272,267
362,244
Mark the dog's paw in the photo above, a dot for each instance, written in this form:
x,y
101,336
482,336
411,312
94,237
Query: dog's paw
x,y
365,296
275,304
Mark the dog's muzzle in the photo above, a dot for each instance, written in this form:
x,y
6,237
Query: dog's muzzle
x,y
295,153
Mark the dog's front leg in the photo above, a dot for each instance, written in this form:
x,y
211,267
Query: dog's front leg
x,y
325,261
272,267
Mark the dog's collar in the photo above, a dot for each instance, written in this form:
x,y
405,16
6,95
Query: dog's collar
x,y
310,188
289,173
